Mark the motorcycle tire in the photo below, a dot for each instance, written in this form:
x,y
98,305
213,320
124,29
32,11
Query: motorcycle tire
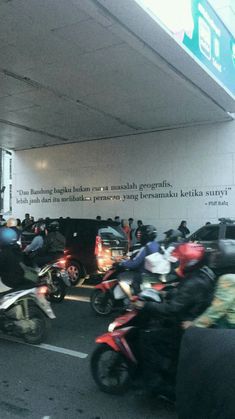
x,y
74,272
110,370
101,304
40,328
58,295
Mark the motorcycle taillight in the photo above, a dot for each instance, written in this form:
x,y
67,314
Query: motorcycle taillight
x,y
61,262
42,291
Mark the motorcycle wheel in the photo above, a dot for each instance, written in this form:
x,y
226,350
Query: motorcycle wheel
x,y
40,326
74,272
101,304
110,370
58,295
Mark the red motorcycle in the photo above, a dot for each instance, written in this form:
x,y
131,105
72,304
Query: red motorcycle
x,y
112,293
115,362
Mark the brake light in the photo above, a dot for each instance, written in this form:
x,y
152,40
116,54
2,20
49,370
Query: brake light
x,y
98,246
42,291
61,262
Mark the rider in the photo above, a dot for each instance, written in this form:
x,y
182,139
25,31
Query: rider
x,y
160,345
38,240
53,246
148,235
12,223
172,238
12,270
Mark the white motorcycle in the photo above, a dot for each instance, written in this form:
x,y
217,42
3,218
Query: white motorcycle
x,y
25,313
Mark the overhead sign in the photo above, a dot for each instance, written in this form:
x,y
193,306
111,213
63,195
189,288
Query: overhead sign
x,y
196,27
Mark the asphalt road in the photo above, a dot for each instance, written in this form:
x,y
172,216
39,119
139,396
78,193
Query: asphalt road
x,y
53,381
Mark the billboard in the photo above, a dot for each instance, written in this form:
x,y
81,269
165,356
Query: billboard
x,y
197,28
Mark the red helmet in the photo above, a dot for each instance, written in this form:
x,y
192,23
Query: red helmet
x,y
189,256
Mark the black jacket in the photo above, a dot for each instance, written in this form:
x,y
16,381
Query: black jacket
x,y
12,274
54,242
191,297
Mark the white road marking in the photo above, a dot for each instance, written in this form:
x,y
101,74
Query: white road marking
x,y
62,350
47,347
77,298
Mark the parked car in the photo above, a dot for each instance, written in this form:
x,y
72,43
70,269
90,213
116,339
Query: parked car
x,y
92,246
209,234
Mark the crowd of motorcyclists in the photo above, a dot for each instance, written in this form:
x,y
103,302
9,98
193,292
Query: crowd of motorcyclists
x,y
198,299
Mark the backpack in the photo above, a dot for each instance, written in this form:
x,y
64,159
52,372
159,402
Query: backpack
x,y
157,263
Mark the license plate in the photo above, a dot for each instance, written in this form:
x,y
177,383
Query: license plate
x,y
117,253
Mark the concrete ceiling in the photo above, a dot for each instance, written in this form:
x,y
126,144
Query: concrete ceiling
x,y
70,70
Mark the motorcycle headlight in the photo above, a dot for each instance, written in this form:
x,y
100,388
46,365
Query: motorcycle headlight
x,y
111,327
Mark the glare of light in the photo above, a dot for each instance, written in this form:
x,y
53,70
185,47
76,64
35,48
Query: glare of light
x,y
175,15
42,164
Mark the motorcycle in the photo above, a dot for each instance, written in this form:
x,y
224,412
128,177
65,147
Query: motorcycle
x,y
57,279
54,274
25,313
113,293
116,361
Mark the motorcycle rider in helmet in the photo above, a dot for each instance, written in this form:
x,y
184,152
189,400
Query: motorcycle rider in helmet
x,y
149,245
12,223
13,272
172,238
194,293
53,246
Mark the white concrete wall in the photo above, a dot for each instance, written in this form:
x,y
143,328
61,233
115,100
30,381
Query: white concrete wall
x,y
171,175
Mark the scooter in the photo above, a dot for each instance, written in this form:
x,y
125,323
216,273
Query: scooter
x,y
25,313
116,361
53,274
57,279
111,293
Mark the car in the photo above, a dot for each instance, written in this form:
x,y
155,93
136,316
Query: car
x,y
219,242
92,246
209,234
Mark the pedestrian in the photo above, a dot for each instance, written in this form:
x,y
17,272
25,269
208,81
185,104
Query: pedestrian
x,y
183,228
127,231
27,221
138,230
131,221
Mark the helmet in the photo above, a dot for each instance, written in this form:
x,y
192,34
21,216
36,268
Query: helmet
x,y
173,236
190,257
39,228
8,236
11,222
148,233
53,226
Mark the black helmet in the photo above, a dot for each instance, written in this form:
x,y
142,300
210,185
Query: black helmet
x,y
173,236
148,233
8,236
53,226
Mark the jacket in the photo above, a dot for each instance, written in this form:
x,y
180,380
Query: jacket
x,y
11,272
221,312
137,263
54,242
191,297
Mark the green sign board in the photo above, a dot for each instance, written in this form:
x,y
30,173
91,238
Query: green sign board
x,y
196,26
